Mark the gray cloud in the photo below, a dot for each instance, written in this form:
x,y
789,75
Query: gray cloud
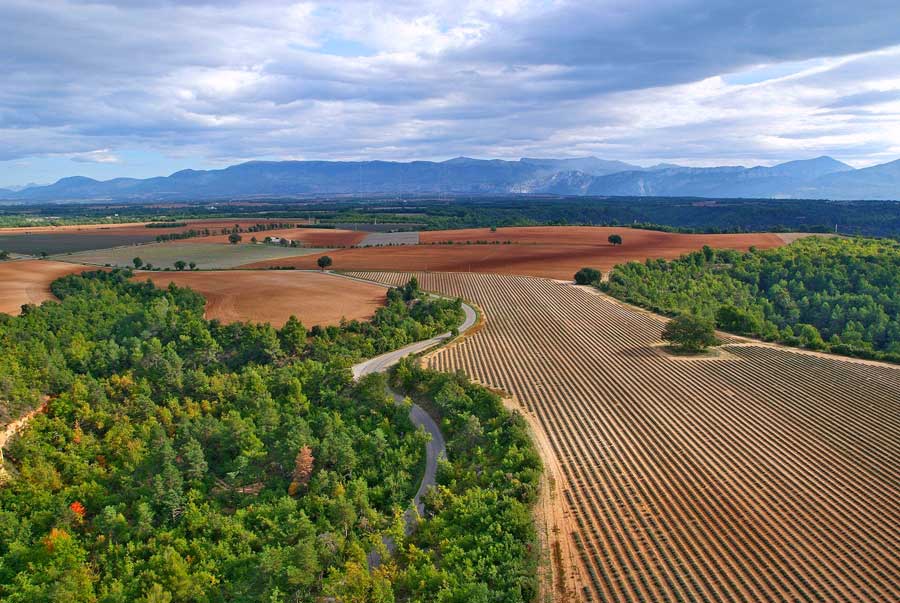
x,y
236,80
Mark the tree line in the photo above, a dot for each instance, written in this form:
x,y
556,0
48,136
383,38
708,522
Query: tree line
x,y
835,294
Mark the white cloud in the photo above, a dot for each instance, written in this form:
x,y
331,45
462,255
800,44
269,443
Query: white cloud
x,y
97,156
690,81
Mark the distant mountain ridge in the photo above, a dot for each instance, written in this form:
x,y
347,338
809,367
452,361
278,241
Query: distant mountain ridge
x,y
821,177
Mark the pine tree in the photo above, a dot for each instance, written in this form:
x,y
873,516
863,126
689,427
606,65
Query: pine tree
x,y
303,468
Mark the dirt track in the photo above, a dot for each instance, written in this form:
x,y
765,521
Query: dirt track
x,y
548,251
28,282
273,295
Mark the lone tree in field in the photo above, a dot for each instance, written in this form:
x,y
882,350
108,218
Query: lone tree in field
x,y
234,238
192,265
180,265
689,333
138,262
324,262
587,276
614,239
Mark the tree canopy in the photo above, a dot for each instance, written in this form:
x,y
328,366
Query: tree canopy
x,y
836,294
180,459
689,333
588,276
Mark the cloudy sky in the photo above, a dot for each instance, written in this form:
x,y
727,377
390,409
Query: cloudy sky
x,y
147,87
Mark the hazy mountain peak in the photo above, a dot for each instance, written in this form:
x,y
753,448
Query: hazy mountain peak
x,y
819,177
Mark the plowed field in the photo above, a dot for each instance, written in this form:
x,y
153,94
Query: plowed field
x,y
757,474
549,251
28,282
272,295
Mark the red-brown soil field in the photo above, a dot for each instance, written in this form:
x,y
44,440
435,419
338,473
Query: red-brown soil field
x,y
549,251
273,295
28,282
757,473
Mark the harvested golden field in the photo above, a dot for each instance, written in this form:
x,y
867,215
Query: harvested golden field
x,y
274,295
28,282
548,251
756,474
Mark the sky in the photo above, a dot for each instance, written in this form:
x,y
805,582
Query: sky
x,y
142,88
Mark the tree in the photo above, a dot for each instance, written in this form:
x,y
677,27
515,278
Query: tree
x,y
195,465
234,238
324,262
180,265
689,333
732,319
192,265
253,240
303,468
138,262
614,239
4,255
587,276
293,336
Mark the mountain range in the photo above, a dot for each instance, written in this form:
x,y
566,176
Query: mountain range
x,y
819,178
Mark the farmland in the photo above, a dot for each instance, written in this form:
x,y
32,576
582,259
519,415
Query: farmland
x,y
206,255
274,295
760,473
308,237
28,282
551,251
74,238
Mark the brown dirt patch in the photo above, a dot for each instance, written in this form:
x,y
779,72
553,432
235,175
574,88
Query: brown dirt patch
x,y
552,252
28,282
272,296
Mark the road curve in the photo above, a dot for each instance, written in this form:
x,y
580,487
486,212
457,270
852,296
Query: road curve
x,y
379,364
436,448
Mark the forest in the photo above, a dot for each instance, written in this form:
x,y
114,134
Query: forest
x,y
178,459
834,294
438,212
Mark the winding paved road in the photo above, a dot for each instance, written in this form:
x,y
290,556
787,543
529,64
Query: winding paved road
x,y
436,448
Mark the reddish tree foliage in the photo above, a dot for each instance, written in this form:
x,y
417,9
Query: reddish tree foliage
x,y
78,509
303,468
56,536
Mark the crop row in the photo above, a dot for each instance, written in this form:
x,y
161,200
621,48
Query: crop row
x,y
761,474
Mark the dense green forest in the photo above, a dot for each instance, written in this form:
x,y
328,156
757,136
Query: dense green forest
x,y
836,294
479,546
683,214
183,460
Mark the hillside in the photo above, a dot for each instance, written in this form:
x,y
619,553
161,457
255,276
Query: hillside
x,y
822,177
